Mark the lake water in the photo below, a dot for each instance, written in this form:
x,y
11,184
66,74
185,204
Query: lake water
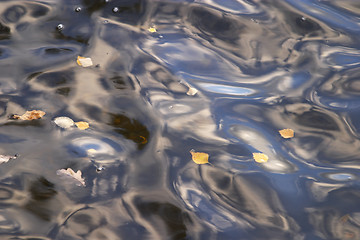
x,y
253,67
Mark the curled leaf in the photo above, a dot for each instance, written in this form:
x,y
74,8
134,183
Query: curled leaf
x,y
84,62
6,158
30,115
64,122
152,29
82,125
200,157
70,175
260,157
287,133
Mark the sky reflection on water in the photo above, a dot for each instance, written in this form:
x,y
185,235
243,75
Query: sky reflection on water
x,y
258,66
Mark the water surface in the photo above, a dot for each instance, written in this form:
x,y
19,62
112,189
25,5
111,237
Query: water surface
x,y
258,66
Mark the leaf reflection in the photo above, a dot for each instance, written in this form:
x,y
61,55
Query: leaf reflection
x,y
41,192
174,218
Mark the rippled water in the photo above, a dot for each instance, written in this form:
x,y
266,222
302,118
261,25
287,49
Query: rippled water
x,y
258,65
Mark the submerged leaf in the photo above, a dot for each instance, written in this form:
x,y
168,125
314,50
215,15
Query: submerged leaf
x,y
64,122
69,174
200,157
30,115
84,62
82,125
6,158
287,133
260,157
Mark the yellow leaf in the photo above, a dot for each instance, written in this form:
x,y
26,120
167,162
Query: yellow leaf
x,y
30,115
287,133
82,125
84,62
260,157
91,151
152,29
199,157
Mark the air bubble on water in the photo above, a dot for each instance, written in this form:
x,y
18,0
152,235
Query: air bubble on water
x,y
106,1
106,21
99,169
78,9
161,36
60,27
115,10
303,18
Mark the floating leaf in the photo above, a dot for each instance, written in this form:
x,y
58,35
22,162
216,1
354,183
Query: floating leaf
x,y
199,157
192,91
69,174
260,157
287,133
152,29
91,151
82,125
84,62
30,115
64,122
6,158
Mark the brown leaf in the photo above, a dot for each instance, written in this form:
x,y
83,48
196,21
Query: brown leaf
x,y
30,115
260,157
200,157
287,133
69,174
82,125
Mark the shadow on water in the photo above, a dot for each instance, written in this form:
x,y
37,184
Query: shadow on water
x,y
169,78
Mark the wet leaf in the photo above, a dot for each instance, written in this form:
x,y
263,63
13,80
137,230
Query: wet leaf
x,y
152,29
287,133
30,115
64,122
6,158
82,125
84,62
70,175
91,152
260,157
192,91
200,157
